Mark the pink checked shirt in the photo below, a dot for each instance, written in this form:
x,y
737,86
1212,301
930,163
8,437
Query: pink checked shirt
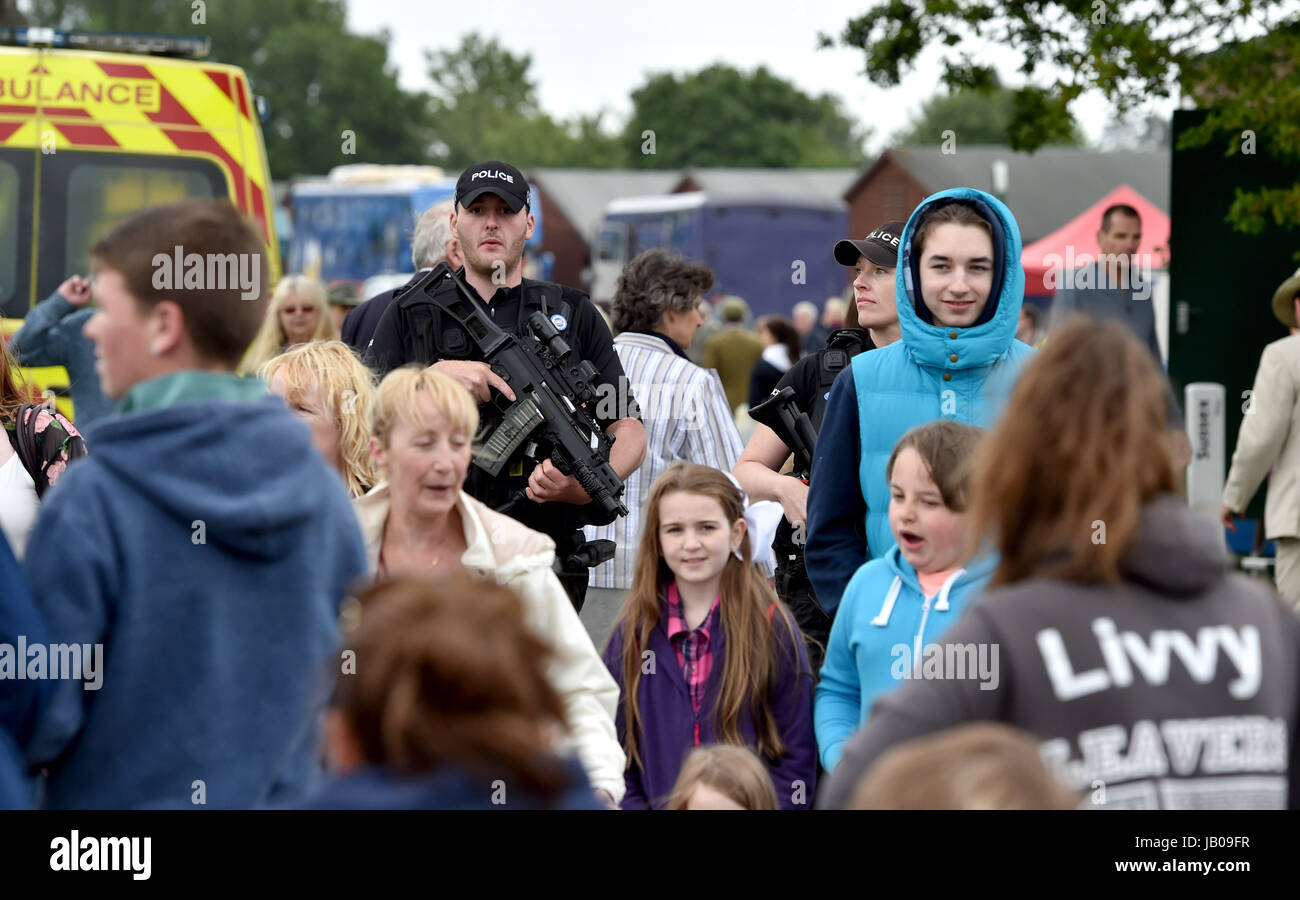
x,y
694,651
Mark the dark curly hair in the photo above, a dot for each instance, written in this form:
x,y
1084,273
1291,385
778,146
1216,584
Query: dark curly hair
x,y
654,284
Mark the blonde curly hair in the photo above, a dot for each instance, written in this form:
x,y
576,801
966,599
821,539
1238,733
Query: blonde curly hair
x,y
271,339
348,390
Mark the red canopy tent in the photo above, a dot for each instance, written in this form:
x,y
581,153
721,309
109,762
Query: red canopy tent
x,y
1064,248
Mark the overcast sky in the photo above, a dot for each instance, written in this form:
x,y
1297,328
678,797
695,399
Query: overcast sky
x,y
590,55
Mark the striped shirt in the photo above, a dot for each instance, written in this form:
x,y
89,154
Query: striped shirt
x,y
693,647
686,418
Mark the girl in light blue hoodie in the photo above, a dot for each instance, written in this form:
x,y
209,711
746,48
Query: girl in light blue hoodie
x,y
895,607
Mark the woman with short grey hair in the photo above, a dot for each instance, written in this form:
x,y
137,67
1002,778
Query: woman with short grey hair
x,y
656,311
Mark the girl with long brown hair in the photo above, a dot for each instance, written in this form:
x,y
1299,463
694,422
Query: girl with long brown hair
x,y
703,651
1117,634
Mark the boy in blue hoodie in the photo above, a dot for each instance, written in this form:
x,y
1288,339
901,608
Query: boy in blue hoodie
x,y
960,286
897,606
212,545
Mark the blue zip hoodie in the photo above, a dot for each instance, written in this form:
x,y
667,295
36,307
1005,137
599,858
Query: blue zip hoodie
x,y
884,609
933,372
212,549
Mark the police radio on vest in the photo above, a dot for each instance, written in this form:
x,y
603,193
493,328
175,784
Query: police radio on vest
x,y
486,173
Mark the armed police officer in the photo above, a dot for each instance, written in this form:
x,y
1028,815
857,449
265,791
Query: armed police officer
x,y
872,321
491,218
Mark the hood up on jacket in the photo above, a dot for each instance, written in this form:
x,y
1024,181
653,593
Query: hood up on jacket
x,y
180,459
1175,551
980,344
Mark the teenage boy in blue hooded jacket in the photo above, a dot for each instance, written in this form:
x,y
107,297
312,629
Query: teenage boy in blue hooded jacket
x,y
960,286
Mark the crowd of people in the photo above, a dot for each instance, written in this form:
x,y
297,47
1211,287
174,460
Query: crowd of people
x,y
279,569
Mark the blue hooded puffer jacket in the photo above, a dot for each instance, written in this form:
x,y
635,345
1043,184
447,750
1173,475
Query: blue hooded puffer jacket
x,y
963,374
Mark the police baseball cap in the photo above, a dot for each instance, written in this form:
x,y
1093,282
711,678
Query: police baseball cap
x,y
879,247
493,177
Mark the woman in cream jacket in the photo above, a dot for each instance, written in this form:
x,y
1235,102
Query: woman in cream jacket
x,y
420,522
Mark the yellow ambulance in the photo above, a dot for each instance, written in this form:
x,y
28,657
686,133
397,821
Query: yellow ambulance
x,y
96,126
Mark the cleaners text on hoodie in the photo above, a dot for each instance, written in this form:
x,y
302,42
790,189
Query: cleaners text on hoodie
x,y
1175,689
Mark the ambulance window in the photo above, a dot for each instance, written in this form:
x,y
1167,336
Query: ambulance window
x,y
100,196
9,261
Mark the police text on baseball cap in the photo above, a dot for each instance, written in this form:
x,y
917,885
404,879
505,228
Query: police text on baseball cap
x,y
880,247
493,177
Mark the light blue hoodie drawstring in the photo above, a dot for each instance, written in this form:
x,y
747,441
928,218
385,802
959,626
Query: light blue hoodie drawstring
x,y
887,608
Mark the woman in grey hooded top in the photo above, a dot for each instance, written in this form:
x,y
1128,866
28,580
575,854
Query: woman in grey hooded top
x,y
1111,629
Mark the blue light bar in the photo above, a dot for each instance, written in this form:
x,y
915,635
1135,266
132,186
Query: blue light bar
x,y
115,42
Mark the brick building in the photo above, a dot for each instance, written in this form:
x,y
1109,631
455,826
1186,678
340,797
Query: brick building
x,y
1044,190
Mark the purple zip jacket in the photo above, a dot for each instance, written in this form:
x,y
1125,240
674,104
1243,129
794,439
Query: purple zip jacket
x,y
669,725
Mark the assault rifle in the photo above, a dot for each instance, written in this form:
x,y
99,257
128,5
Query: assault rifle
x,y
782,414
549,416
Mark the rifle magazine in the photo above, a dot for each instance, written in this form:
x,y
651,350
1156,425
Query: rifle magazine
x,y
519,421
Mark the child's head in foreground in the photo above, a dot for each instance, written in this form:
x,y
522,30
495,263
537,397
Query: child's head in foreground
x,y
723,776
447,674
983,765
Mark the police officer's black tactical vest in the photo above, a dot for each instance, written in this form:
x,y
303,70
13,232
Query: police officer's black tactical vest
x,y
841,346
429,336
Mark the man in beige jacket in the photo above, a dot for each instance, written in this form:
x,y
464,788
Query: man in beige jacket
x,y
1270,436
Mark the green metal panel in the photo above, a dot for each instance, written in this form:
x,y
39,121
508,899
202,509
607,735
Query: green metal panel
x,y
1225,278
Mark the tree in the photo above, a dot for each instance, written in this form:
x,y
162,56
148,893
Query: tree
x,y
9,14
485,106
975,116
318,79
1130,51
721,116
320,84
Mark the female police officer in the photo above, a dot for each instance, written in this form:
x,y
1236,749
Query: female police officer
x,y
872,321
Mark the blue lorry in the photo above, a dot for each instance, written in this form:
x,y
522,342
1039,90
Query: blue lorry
x,y
353,231
772,251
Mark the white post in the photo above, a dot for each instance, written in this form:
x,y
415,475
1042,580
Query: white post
x,y
1204,411
1160,307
